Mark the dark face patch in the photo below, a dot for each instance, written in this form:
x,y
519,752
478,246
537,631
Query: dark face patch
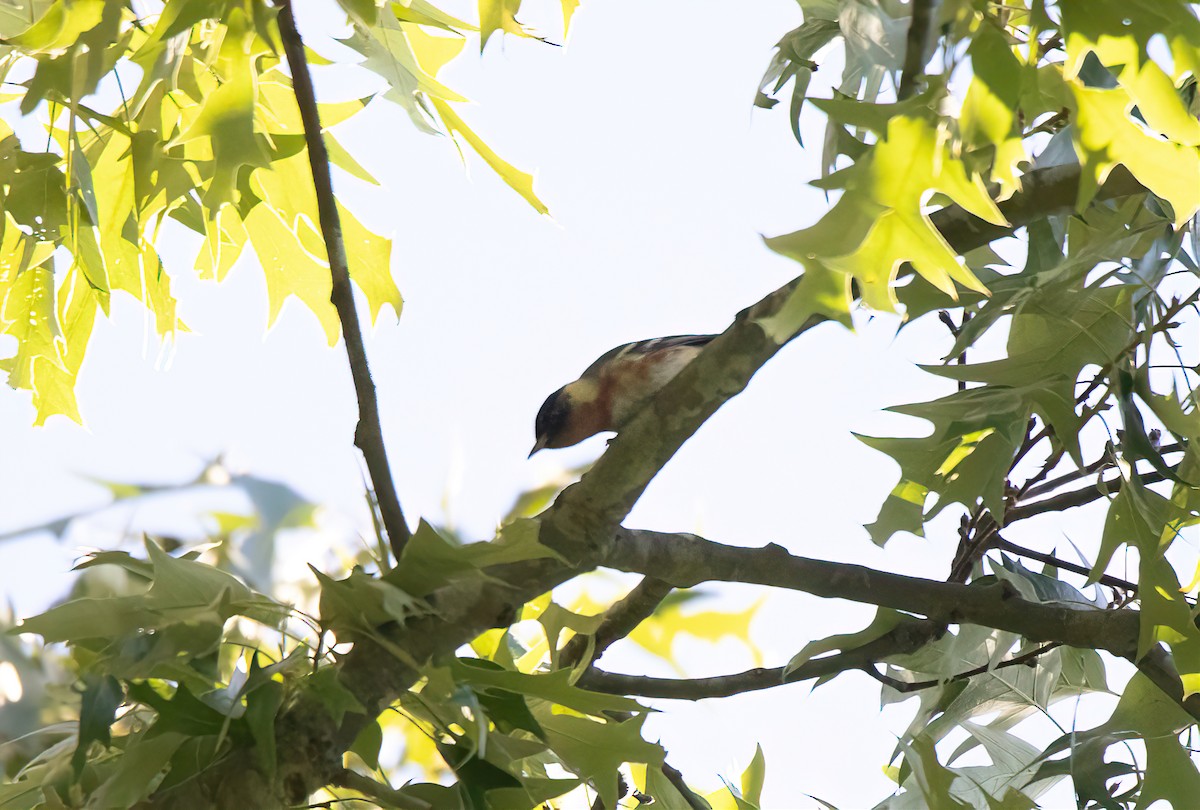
x,y
552,418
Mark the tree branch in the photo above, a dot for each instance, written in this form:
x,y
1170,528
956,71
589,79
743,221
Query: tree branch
x,y
676,778
917,46
1050,559
1044,192
1076,497
619,621
907,638
917,686
583,524
1099,465
686,560
368,436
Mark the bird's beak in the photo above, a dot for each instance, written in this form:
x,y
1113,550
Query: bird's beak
x,y
540,444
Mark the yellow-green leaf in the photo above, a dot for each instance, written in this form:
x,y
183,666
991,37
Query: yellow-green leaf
x,y
521,182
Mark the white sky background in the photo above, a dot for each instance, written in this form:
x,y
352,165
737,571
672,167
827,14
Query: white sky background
x,y
660,176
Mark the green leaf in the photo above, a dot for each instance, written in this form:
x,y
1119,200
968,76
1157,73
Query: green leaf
x,y
1106,135
431,560
388,49
518,181
183,712
60,27
1053,336
360,603
932,779
138,769
367,744
226,119
292,251
753,777
1037,587
884,622
183,592
477,777
965,459
97,712
989,111
793,62
1171,774
552,686
879,222
1118,35
595,750
501,15
325,686
1144,712
262,707
555,618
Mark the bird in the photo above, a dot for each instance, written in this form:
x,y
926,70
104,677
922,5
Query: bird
x,y
612,389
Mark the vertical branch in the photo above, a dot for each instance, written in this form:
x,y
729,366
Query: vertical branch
x,y
917,46
368,435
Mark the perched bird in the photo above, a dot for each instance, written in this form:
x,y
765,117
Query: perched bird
x,y
612,389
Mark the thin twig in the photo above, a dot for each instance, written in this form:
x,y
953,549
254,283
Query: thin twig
x,y
1162,325
1075,568
1047,467
1052,124
368,436
1076,497
907,638
917,686
1104,462
971,549
916,48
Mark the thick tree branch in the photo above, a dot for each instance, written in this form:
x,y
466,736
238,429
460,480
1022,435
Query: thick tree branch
x,y
368,436
606,494
686,560
619,621
1044,192
582,524
917,46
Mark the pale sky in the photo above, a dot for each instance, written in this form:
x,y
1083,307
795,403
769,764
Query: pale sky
x,y
660,177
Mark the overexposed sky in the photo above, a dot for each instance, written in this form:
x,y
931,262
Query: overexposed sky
x,y
660,177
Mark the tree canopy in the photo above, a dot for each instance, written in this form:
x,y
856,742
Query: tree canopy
x,y
1027,174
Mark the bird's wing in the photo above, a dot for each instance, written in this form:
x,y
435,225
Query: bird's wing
x,y
646,347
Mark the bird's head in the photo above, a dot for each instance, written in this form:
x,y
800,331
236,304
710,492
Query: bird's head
x,y
566,416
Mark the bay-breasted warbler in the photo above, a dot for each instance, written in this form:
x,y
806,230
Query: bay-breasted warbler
x,y
612,389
